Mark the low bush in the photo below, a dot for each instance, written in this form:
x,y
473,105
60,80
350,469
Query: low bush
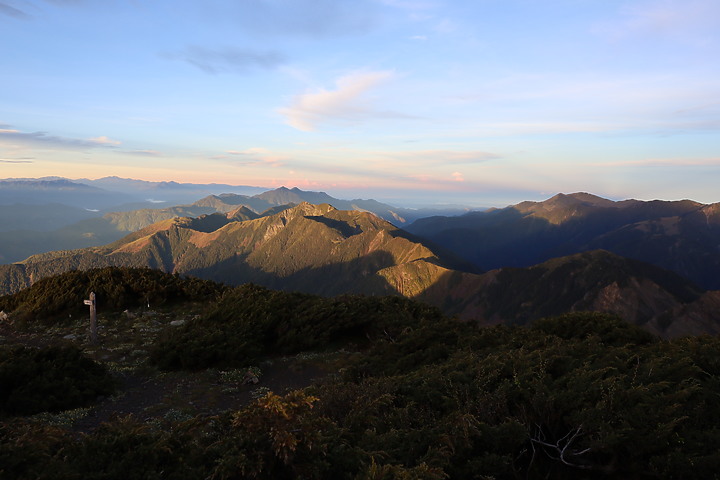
x,y
49,380
251,321
116,288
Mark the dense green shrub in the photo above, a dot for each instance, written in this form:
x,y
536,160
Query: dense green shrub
x,y
32,451
49,380
116,288
609,329
251,321
578,396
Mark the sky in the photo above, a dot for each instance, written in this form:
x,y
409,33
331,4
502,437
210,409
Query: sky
x,y
481,102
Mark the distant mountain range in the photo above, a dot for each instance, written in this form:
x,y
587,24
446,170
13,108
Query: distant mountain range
x,y
123,194
682,236
319,249
109,192
27,229
59,191
307,247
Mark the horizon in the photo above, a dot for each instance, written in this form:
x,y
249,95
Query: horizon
x,y
481,103
402,203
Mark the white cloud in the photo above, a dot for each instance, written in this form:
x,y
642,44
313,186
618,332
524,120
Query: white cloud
x,y
458,177
346,103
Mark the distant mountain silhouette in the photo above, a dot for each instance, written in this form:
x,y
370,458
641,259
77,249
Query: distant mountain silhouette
x,y
58,191
682,236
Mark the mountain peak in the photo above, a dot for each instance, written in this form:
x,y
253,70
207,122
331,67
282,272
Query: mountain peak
x,y
563,207
578,198
306,208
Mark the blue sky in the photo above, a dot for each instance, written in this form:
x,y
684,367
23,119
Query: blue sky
x,y
410,101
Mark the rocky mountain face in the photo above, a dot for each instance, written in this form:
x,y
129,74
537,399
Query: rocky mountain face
x,y
313,248
682,236
319,249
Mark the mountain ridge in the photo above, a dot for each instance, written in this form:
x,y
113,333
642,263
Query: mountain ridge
x,y
677,235
322,250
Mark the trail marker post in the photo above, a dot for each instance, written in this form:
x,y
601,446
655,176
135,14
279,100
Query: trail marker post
x,y
93,318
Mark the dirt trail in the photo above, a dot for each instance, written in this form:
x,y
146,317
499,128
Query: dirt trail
x,y
185,394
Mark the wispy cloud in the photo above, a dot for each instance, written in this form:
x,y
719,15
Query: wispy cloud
x,y
11,11
685,20
142,153
16,160
66,2
227,59
308,18
347,103
661,162
438,157
105,141
13,138
253,157
410,4
645,103
445,26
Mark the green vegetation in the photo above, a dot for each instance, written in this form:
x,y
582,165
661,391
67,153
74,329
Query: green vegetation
x,y
115,288
251,321
49,380
408,394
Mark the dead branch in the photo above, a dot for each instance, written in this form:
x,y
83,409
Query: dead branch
x,y
562,448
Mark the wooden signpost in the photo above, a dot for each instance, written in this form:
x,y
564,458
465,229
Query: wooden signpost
x,y
93,318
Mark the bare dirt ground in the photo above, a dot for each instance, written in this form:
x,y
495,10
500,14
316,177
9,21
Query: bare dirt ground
x,y
180,394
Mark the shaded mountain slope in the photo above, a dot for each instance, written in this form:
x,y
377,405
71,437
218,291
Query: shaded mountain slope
x,y
309,248
682,236
597,281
